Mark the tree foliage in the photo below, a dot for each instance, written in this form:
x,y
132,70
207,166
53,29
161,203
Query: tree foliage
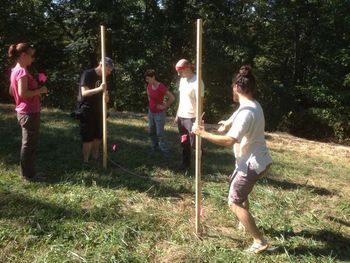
x,y
299,51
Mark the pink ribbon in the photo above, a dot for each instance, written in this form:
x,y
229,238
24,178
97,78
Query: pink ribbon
x,y
42,77
114,147
184,138
178,68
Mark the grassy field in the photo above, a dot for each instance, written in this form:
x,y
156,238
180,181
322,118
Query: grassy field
x,y
142,210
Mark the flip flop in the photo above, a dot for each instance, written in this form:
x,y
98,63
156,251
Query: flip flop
x,y
241,227
257,248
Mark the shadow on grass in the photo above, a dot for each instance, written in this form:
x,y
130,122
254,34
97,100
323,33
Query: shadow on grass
x,y
334,245
287,185
10,136
57,220
152,186
17,205
134,154
57,140
339,221
59,153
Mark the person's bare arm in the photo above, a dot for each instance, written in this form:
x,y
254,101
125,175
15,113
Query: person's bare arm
x,y
225,124
85,91
25,93
171,98
166,104
217,139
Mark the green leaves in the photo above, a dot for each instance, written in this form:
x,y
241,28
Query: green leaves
x,y
299,50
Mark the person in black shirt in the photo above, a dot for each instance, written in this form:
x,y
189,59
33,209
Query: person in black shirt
x,y
90,96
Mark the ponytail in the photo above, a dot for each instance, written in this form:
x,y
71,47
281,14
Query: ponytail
x,y
12,51
246,82
15,50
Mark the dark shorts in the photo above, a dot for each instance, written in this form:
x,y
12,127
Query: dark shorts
x,y
241,186
91,126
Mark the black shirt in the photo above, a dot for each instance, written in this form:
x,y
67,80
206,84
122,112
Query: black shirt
x,y
90,79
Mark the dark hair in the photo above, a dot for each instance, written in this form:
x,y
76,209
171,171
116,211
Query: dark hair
x,y
150,73
246,67
246,83
15,50
247,72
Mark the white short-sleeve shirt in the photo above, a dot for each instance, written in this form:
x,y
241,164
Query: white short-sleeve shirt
x,y
187,90
248,127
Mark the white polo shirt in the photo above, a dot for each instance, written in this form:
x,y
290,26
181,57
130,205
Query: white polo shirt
x,y
248,127
187,90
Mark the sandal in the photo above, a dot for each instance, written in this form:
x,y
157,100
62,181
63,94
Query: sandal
x,y
241,227
257,248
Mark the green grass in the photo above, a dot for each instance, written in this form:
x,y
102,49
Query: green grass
x,y
88,214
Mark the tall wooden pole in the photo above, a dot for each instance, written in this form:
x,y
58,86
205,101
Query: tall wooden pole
x,y
199,121
104,105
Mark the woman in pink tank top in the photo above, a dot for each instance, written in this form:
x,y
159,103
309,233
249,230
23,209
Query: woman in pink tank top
x,y
26,94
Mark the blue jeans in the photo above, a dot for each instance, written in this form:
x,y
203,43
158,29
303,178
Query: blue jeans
x,y
156,122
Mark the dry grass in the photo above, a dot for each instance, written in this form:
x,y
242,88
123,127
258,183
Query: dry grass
x,y
330,152
319,157
146,212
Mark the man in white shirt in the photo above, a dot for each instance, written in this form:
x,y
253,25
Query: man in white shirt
x,y
252,156
186,112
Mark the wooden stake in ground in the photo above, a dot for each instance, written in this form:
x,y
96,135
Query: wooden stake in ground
x,y
198,121
104,105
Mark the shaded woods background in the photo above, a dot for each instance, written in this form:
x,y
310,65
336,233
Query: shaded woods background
x,y
299,51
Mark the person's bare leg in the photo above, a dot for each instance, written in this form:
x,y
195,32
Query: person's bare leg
x,y
248,222
246,206
87,151
95,149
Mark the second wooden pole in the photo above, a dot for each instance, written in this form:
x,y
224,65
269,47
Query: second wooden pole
x,y
104,104
199,121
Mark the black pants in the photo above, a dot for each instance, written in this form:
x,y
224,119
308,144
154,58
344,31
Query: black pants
x,y
30,124
187,139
